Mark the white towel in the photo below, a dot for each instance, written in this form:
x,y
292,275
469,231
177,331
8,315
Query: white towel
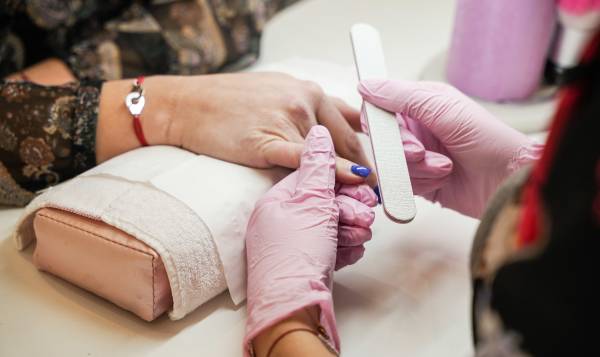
x,y
193,210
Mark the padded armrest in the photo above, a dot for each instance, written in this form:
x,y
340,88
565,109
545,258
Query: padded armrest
x,y
102,259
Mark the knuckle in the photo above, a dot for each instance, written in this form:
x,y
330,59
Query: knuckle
x,y
353,145
299,111
313,89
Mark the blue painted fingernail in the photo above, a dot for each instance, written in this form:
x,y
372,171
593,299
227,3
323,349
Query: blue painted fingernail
x,y
360,170
376,190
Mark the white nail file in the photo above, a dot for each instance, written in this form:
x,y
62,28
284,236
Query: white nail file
x,y
394,181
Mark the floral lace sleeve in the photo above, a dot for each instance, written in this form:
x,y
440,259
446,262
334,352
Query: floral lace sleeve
x,y
47,135
174,36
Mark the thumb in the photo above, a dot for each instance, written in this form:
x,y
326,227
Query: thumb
x,y
424,102
316,174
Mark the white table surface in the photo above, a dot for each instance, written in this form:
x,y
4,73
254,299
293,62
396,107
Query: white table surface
x,y
409,296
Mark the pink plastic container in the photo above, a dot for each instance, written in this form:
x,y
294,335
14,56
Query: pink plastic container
x,y
499,47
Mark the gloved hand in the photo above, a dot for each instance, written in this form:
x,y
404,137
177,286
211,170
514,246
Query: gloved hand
x,y
438,118
292,239
356,217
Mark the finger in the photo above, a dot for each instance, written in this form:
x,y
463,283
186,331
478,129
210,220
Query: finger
x,y
364,126
354,213
279,152
346,141
348,256
287,154
351,114
363,193
413,148
422,101
430,174
316,174
350,173
302,115
433,166
350,236
426,187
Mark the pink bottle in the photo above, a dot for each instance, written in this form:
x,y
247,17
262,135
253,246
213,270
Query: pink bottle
x,y
499,47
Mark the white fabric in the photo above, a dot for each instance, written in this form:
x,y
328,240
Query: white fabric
x,y
193,210
224,195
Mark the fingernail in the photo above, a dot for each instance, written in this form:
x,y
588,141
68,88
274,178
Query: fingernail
x,y
376,190
360,170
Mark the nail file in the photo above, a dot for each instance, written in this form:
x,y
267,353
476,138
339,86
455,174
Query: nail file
x,y
384,132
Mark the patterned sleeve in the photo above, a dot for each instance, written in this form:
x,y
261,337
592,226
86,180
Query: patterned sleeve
x,y
47,135
174,37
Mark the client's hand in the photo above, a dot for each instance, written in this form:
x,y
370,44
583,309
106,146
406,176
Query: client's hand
x,y
254,119
293,235
442,124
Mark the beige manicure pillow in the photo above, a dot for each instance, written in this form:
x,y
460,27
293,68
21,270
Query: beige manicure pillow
x,y
152,230
103,260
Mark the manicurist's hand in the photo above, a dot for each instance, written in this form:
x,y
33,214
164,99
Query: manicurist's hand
x,y
457,152
291,246
254,119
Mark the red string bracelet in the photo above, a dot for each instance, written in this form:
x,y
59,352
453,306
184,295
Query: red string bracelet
x,y
135,101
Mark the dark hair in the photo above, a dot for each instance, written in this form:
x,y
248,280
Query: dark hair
x,y
552,299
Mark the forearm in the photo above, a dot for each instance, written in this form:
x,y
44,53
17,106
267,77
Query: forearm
x,y
298,343
114,128
51,71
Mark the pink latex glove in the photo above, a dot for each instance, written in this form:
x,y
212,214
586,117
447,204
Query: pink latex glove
x,y
293,236
438,118
356,217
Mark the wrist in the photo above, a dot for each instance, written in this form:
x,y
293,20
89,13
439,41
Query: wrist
x,y
115,132
265,314
161,118
174,116
305,318
300,334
